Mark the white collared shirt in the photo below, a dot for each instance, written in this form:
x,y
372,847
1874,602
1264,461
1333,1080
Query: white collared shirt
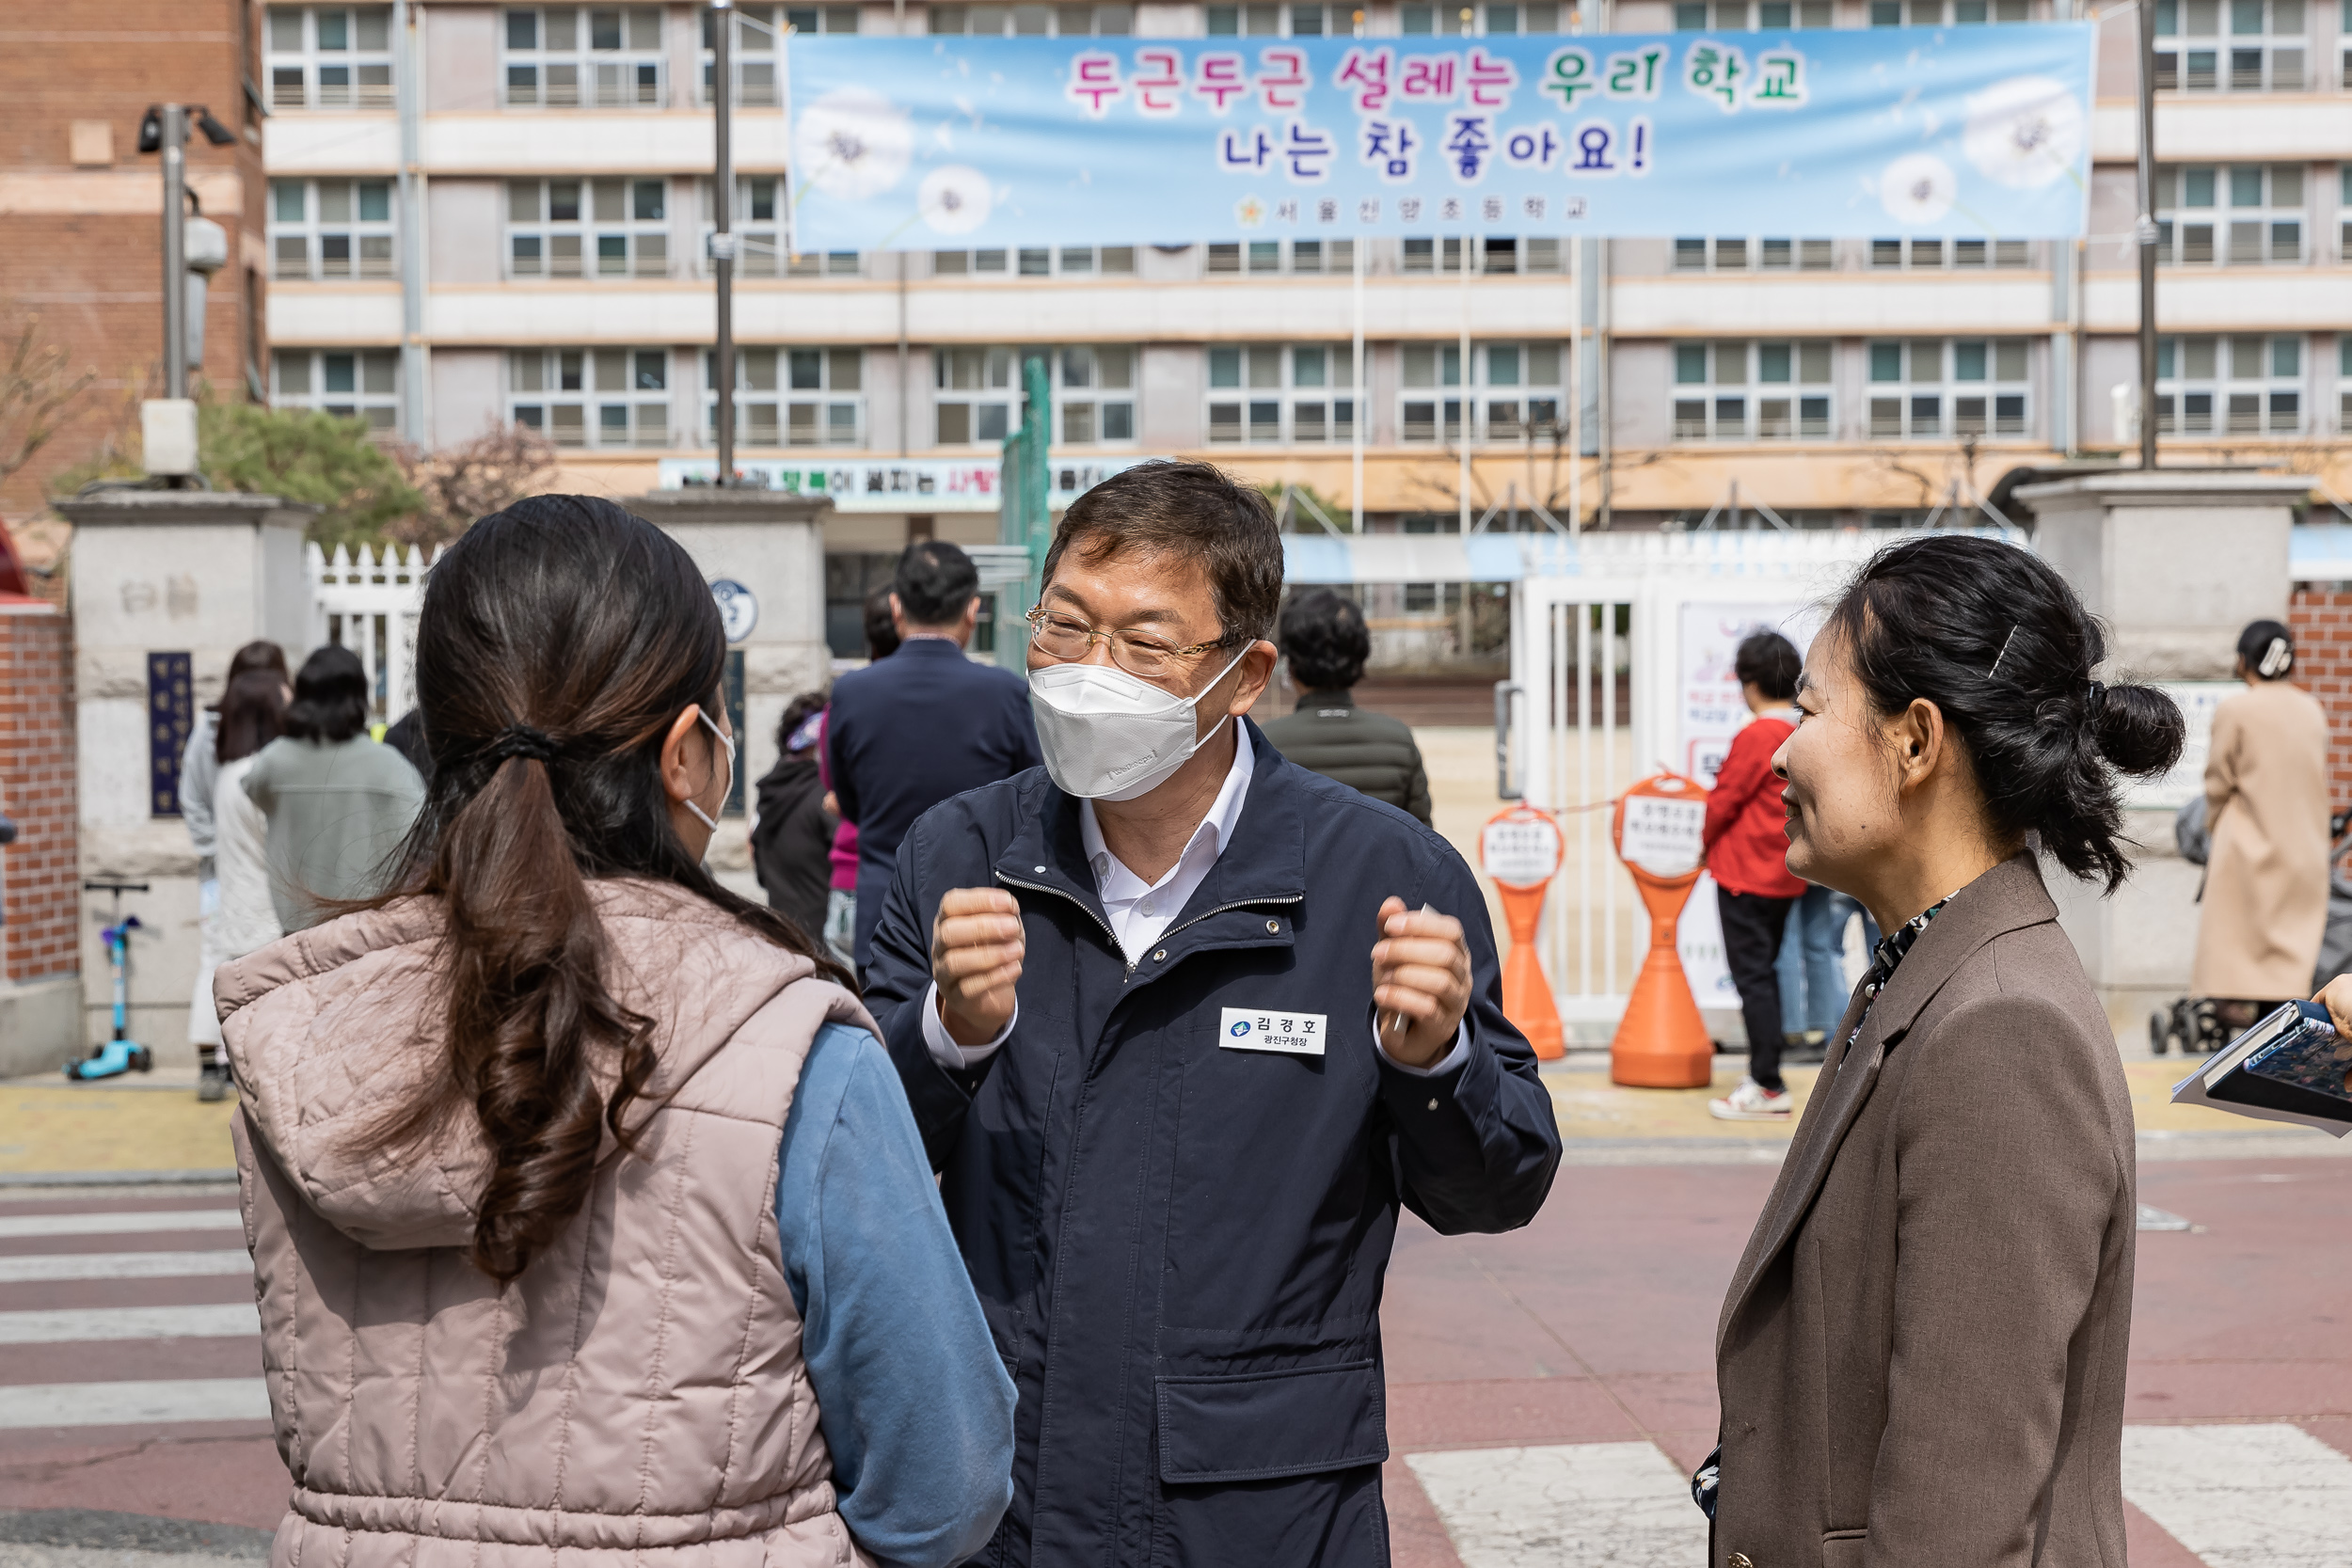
x,y
1140,914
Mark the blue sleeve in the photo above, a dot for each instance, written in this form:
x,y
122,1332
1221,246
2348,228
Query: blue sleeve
x,y
836,719
910,1393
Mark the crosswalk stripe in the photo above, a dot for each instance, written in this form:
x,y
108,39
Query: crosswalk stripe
x,y
161,1221
1580,1505
83,1325
108,1404
121,1265
2268,1496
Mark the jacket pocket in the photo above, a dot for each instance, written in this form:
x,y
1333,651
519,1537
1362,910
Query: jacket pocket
x,y
1845,1548
1261,1425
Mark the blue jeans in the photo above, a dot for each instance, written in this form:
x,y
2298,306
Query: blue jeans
x,y
1812,962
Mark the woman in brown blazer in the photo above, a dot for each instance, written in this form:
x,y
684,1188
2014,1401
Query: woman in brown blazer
x,y
1921,1356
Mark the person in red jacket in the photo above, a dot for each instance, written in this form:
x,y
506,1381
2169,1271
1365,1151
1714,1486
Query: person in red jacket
x,y
1747,852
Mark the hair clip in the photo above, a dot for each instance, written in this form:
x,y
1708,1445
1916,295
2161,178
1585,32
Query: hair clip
x,y
2002,655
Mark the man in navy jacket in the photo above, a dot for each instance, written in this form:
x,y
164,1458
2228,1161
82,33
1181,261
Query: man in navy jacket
x,y
923,724
1183,1025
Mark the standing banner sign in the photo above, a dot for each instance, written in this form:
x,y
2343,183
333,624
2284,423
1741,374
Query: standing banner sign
x,y
1520,849
920,143
1661,1041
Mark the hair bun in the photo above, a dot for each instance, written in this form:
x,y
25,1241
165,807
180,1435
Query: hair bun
x,y
2138,729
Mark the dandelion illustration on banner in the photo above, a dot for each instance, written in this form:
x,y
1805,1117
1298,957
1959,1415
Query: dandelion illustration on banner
x,y
991,142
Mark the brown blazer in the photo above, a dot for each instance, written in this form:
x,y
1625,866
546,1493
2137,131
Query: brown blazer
x,y
1921,1358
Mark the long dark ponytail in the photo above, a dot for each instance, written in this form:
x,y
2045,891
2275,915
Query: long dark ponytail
x,y
567,616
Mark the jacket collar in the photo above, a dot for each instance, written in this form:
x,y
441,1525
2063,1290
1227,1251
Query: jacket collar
x,y
2006,899
1263,859
1342,696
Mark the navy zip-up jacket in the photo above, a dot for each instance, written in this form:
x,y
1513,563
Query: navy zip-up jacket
x,y
1179,1245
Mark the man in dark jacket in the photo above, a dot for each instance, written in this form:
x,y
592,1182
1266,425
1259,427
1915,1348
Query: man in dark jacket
x,y
1183,1025
792,842
1326,641
923,724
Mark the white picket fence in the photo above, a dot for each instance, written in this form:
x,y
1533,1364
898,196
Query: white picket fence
x,y
367,602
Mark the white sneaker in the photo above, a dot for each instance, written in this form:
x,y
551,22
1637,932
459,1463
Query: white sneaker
x,y
1752,1101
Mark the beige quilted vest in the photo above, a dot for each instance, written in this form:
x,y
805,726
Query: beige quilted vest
x,y
638,1395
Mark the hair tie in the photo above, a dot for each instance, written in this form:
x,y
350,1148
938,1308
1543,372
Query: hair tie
x,y
521,740
2096,701
2277,659
2002,655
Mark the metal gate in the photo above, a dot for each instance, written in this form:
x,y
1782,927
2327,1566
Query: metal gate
x,y
368,603
1603,692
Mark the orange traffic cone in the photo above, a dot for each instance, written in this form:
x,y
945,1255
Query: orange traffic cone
x,y
1526,995
1661,1041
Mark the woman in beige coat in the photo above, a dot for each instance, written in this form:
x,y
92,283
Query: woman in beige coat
x,y
2265,900
1921,1358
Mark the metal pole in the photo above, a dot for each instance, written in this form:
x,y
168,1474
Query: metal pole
x,y
722,248
1462,387
409,90
2147,234
1360,384
175,122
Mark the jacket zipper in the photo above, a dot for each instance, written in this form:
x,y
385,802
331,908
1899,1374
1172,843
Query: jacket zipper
x,y
1204,914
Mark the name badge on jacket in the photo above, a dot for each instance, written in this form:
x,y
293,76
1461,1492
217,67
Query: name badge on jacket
x,y
1292,1034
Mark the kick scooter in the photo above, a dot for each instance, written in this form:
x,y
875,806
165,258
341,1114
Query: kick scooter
x,y
122,1054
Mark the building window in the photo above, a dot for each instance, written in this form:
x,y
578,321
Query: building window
x,y
1742,255
1079,21
350,384
1958,255
1453,20
2247,386
760,201
1736,391
1514,392
1278,393
604,397
1495,256
572,56
2230,214
1064,261
587,228
1947,13
978,394
331,229
330,57
1282,256
2343,178
758,43
1267,21
2343,378
2230,45
801,397
1737,16
1930,389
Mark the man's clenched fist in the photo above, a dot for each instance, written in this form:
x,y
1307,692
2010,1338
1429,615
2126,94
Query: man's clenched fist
x,y
977,948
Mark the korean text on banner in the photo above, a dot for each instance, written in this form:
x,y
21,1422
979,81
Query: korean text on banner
x,y
948,142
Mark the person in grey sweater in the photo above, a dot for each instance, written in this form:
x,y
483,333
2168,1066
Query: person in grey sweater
x,y
338,803
1326,641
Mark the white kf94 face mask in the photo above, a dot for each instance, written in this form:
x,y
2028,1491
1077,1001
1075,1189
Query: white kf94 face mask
x,y
728,741
1110,735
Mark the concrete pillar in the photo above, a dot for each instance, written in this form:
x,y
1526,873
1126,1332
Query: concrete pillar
x,y
163,570
2175,563
771,545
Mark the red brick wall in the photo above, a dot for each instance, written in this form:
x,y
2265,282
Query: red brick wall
x,y
2320,615
40,869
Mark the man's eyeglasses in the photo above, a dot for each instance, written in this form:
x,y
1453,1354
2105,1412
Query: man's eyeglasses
x,y
1067,638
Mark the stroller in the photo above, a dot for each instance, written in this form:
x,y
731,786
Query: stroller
x,y
2192,1022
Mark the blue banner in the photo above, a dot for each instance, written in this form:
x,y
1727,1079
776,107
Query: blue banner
x,y
954,143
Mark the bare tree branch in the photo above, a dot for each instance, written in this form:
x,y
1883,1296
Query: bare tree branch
x,y
38,391
468,482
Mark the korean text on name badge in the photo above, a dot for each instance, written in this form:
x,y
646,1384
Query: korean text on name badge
x,y
1252,1029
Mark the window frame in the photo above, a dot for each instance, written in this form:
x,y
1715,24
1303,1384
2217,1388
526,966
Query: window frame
x,y
536,407
1032,262
1949,13
591,238
1438,420
1737,16
2279,231
1701,417
1488,19
2274,398
768,377
2280,61
1892,406
1753,255
1110,19
371,248
369,81
1005,398
1236,406
646,67
378,406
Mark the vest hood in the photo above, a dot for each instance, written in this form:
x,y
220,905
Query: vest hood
x,y
333,1028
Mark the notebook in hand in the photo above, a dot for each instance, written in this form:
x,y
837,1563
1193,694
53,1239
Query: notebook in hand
x,y
2290,1066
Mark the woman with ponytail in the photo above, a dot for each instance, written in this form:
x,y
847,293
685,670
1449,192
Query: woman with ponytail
x,y
1921,1358
589,1222
2265,908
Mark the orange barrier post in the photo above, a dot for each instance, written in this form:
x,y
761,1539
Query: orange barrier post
x,y
1661,1041
1520,848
